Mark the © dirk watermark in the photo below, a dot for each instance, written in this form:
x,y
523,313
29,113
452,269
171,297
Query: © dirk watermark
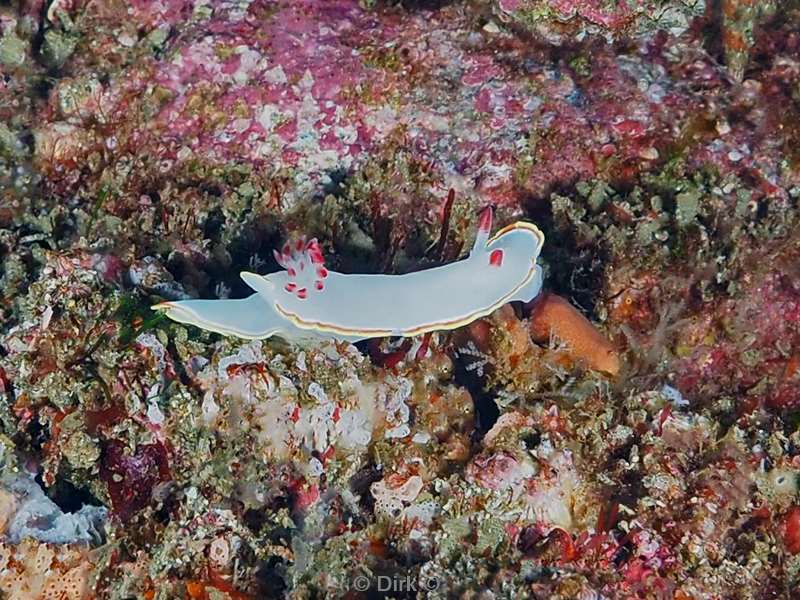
x,y
394,583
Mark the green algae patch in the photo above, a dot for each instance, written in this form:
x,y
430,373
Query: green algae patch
x,y
135,317
687,207
13,50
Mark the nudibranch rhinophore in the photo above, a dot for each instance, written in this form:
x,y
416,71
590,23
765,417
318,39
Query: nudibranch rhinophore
x,y
305,300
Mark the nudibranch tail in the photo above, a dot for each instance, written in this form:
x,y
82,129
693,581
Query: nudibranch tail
x,y
250,318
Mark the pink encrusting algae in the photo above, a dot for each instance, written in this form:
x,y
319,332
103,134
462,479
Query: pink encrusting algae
x,y
271,86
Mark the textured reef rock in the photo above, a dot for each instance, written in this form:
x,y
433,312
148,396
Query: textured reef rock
x,y
632,433
558,22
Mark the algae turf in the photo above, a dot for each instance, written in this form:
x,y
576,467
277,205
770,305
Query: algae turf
x,y
135,317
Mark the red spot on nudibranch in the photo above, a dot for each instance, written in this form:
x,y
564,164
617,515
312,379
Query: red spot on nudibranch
x,y
319,285
322,272
290,287
299,245
496,258
302,293
291,272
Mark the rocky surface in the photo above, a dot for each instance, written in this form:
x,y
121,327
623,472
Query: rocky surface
x,y
152,150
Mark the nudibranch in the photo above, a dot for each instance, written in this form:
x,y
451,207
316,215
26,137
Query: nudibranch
x,y
305,300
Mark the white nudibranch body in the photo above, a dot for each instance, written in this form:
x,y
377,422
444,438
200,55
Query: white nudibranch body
x,y
307,301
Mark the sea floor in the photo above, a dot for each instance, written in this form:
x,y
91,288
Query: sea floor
x,y
633,432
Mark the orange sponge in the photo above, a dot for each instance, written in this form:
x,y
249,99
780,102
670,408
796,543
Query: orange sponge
x,y
553,315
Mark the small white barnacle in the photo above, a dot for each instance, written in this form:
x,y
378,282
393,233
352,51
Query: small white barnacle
x,y
306,300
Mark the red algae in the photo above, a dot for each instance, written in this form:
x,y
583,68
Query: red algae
x,y
792,530
131,478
